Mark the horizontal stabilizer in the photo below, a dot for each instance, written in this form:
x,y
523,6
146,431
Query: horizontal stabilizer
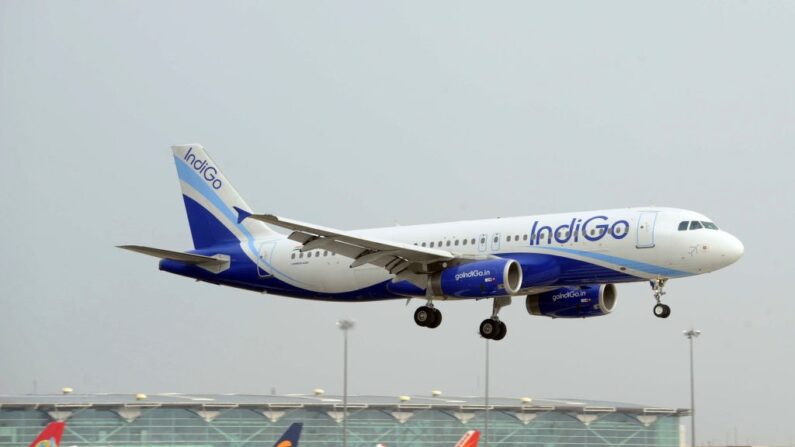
x,y
176,255
216,263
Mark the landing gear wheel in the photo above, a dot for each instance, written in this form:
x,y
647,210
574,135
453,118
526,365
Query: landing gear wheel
x,y
662,310
502,330
437,318
489,328
424,316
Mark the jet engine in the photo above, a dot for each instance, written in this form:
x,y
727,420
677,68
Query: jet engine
x,y
480,279
574,302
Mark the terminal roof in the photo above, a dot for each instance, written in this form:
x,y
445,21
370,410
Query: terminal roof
x,y
325,401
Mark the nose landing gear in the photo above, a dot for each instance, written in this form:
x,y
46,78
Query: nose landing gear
x,y
660,310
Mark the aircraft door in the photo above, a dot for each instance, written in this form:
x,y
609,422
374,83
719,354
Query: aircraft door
x,y
482,242
495,241
645,229
264,268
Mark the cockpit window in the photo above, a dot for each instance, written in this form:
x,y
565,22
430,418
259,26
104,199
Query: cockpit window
x,y
709,225
683,225
695,225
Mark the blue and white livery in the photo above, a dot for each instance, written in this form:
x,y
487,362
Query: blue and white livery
x,y
566,265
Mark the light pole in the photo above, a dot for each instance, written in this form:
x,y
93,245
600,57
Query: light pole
x,y
486,425
691,334
345,325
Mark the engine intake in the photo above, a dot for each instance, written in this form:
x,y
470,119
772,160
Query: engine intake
x,y
480,279
574,302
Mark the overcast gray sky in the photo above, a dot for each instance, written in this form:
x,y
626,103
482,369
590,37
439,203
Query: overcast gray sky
x,y
363,114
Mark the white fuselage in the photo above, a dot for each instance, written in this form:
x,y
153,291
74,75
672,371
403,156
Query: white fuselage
x,y
641,243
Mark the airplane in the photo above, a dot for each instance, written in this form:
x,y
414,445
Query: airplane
x,y
564,265
290,436
470,439
50,436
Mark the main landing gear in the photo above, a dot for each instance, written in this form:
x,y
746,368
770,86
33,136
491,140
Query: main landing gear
x,y
428,316
492,328
660,310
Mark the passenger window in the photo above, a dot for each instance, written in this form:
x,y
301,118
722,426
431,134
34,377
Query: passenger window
x,y
300,256
483,240
464,242
423,244
309,254
448,243
496,239
695,225
683,225
524,237
456,242
431,244
440,243
473,241
509,238
710,225
325,253
292,256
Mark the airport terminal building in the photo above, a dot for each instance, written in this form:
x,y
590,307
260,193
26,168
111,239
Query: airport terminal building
x,y
235,420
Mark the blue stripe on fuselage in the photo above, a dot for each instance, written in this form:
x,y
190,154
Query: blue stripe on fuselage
x,y
539,270
634,265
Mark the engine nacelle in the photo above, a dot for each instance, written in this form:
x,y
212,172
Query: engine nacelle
x,y
574,302
480,279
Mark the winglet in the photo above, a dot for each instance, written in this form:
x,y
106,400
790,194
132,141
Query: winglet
x,y
241,214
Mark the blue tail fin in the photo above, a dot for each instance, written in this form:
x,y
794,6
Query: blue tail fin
x,y
290,437
211,201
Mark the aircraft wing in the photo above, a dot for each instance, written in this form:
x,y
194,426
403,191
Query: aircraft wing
x,y
398,258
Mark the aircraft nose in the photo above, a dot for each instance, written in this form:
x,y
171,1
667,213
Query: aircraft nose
x,y
733,249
